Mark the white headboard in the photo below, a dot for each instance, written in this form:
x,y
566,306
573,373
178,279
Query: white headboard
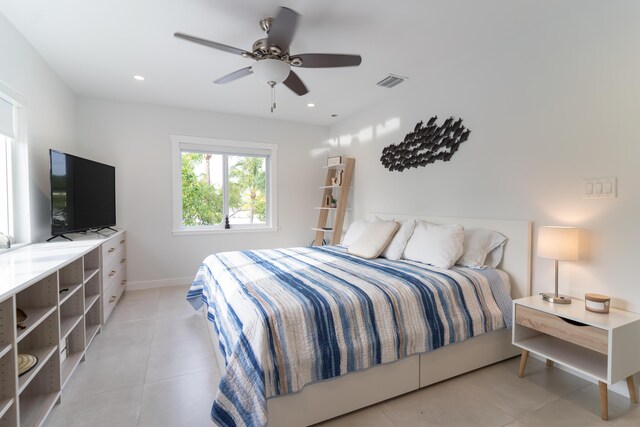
x,y
517,254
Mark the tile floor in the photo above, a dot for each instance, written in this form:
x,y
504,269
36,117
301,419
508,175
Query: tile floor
x,y
153,365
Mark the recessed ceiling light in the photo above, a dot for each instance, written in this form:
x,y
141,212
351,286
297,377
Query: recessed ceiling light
x,y
311,105
138,77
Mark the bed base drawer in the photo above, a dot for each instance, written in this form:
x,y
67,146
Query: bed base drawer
x,y
590,337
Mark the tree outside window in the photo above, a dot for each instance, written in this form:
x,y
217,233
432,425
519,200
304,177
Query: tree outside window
x,y
203,189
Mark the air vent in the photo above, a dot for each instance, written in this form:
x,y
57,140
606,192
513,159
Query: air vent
x,y
391,80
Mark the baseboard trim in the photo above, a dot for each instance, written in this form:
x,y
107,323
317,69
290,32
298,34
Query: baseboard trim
x,y
164,283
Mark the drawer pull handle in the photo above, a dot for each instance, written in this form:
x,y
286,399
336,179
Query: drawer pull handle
x,y
113,298
122,261
122,242
112,273
111,250
124,282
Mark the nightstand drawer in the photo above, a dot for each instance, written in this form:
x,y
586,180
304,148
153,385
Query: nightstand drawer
x,y
590,337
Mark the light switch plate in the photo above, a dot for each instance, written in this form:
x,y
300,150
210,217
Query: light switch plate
x,y
600,188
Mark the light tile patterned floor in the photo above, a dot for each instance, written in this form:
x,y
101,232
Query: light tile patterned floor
x,y
153,365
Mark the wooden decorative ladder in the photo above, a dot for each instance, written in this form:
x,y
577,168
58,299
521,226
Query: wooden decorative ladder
x,y
342,201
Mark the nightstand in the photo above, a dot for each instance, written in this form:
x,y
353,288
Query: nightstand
x,y
602,346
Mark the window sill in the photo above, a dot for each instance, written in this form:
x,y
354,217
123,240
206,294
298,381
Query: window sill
x,y
232,230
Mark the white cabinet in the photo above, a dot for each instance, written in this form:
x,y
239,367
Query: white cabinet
x,y
114,272
62,288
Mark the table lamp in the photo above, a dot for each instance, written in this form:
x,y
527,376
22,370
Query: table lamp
x,y
558,244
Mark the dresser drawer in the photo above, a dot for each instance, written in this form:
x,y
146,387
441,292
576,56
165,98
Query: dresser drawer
x,y
113,268
590,337
113,293
113,249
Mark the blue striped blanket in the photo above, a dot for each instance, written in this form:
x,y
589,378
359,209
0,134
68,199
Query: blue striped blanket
x,y
289,317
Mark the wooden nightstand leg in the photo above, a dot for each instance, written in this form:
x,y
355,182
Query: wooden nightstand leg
x,y
632,389
523,362
604,401
549,363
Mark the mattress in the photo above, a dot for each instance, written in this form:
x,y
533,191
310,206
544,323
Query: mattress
x,y
286,318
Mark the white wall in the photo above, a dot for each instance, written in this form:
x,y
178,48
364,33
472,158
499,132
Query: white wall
x,y
136,139
554,105
50,116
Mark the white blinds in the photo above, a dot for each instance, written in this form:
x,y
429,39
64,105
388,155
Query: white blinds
x,y
6,119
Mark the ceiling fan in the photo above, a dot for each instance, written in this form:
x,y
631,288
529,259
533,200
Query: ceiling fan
x,y
272,56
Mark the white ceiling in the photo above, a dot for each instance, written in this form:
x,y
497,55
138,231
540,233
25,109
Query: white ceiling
x,y
97,46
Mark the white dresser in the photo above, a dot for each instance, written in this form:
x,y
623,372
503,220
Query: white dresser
x,y
114,272
67,290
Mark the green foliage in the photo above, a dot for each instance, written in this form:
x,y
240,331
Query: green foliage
x,y
201,201
247,187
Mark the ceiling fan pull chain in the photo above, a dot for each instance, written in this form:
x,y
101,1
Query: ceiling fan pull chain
x,y
273,95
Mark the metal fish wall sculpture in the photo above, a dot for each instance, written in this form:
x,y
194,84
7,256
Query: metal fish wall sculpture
x,y
426,144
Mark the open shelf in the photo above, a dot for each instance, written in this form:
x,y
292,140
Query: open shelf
x,y
67,324
5,405
338,166
69,365
579,358
71,274
35,316
65,295
89,301
88,274
43,354
322,229
34,408
92,331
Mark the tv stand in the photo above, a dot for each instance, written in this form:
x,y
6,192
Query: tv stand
x,y
59,235
106,228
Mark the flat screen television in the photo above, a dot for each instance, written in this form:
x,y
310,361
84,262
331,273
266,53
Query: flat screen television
x,y
83,194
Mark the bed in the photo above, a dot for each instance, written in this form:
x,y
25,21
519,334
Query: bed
x,y
306,334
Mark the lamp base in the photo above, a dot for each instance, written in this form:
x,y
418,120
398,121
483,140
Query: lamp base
x,y
560,299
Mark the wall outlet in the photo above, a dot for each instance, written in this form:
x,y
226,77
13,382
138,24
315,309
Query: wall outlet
x,y
600,188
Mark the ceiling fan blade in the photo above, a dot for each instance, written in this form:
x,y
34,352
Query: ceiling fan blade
x,y
327,60
282,29
214,45
294,83
234,76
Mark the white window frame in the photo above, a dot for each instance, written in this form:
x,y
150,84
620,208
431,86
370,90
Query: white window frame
x,y
229,147
19,211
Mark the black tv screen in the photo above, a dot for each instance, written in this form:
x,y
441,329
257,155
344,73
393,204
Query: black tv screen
x,y
83,194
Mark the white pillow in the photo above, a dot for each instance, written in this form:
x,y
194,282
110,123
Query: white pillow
x,y
477,245
438,245
374,239
354,231
494,258
399,242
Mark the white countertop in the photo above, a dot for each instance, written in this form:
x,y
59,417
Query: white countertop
x,y
22,267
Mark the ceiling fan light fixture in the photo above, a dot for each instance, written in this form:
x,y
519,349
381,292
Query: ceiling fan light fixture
x,y
271,70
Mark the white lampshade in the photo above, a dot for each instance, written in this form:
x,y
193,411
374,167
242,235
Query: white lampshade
x,y
271,70
559,243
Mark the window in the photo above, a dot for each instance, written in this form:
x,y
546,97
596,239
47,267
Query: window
x,y
217,179
14,196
